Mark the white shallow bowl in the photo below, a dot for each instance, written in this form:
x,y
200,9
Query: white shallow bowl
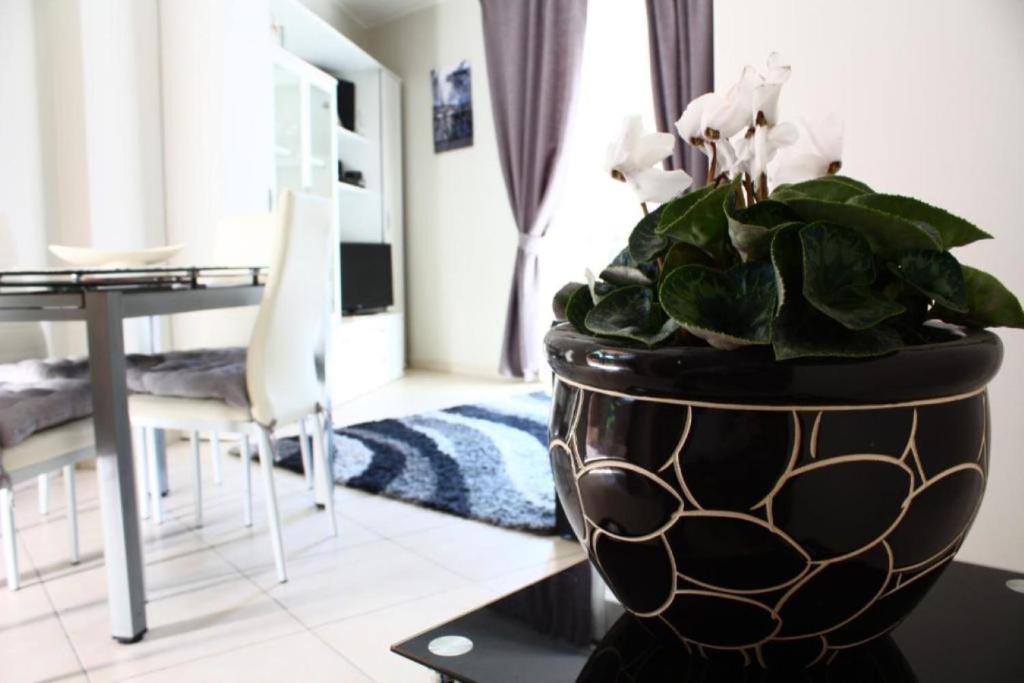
x,y
89,257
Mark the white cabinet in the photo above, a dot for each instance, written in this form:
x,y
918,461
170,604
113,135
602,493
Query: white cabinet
x,y
245,117
365,351
305,156
391,178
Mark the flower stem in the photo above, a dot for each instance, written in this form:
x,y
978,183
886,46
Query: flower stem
x,y
643,205
713,169
748,187
741,201
763,189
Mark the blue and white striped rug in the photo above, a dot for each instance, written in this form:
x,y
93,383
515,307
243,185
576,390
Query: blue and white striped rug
x,y
487,461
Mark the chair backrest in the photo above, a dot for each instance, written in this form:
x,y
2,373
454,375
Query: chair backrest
x,y
18,341
244,240
288,337
21,341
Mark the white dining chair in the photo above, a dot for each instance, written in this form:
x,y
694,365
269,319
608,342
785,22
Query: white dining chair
x,y
284,385
23,341
54,449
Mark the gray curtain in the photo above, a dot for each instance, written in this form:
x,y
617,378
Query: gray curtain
x,y
682,68
534,49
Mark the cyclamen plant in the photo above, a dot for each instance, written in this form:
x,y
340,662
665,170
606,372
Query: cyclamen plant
x,y
777,249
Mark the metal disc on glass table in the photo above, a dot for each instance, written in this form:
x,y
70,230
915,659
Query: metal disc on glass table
x,y
450,646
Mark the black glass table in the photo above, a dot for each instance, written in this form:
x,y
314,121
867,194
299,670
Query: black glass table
x,y
968,629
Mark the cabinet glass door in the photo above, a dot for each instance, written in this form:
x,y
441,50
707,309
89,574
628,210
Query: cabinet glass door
x,y
321,141
288,152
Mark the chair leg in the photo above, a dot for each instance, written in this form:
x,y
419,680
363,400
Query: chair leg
x,y
197,473
323,471
245,448
218,479
142,462
273,517
153,468
10,545
307,464
72,500
44,493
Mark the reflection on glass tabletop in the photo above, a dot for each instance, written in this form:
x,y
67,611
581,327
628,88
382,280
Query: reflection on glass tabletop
x,y
969,628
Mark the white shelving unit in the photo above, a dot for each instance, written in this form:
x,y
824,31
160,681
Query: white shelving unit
x,y
269,121
366,351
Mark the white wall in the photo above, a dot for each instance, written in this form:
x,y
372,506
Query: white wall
x,y
216,88
460,236
80,92
22,212
932,93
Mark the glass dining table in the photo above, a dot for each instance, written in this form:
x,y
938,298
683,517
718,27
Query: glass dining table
x,y
104,298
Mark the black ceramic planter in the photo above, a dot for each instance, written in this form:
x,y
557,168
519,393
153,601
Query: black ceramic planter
x,y
775,512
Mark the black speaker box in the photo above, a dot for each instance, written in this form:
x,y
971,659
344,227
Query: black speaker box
x,y
347,104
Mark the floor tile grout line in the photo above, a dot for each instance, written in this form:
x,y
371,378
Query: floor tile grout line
x,y
210,655
56,613
291,614
473,583
464,576
344,657
267,592
383,608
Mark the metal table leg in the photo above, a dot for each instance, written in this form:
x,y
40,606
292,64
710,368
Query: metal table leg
x,y
122,540
160,439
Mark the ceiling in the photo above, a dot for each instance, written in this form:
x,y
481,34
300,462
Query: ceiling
x,y
371,13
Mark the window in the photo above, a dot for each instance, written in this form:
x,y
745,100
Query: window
x,y
593,220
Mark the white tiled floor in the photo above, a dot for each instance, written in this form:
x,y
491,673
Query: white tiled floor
x,y
216,612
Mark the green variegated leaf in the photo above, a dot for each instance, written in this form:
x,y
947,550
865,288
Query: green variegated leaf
x,y
833,188
953,230
660,327
727,309
673,211
887,234
577,306
630,313
644,243
989,303
683,254
936,274
598,289
699,221
838,270
800,330
750,228
624,308
561,300
625,275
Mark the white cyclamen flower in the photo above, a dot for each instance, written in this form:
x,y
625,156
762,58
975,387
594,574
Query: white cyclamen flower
x,y
723,126
633,158
690,124
778,69
768,135
820,153
691,129
731,112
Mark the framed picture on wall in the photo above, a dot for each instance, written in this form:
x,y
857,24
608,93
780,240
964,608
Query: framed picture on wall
x,y
453,107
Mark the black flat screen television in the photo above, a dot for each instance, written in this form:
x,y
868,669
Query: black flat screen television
x,y
365,277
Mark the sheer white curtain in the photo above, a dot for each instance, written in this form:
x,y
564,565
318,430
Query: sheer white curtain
x,y
596,214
